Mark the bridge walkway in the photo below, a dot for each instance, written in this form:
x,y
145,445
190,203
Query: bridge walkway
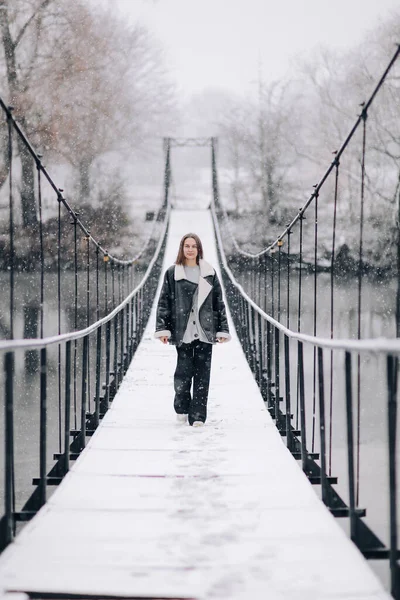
x,y
154,509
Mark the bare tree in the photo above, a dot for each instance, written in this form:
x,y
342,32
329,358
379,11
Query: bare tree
x,y
116,91
259,134
233,132
20,26
84,84
338,84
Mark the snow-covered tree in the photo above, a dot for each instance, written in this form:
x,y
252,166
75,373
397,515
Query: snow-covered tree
x,y
21,32
83,83
258,133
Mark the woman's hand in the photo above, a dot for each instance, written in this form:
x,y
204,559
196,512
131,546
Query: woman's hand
x,y
221,340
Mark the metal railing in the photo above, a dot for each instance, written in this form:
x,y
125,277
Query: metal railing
x,y
279,363
90,309
315,383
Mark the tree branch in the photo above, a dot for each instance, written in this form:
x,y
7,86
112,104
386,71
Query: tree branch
x,y
41,7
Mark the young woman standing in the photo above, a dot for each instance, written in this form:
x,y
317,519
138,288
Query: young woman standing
x,y
191,314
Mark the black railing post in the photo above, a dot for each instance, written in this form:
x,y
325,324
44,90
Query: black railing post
x,y
106,259
9,449
122,341
272,259
350,446
260,354
167,172
98,376
138,316
128,335
116,347
241,323
269,365
108,365
263,341
252,339
277,378
289,434
392,377
302,399
214,173
133,326
84,389
246,324
322,428
67,418
43,427
142,311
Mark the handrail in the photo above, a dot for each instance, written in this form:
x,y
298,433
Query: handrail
x,y
36,343
378,345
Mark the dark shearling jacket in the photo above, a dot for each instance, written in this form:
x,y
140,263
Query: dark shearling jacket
x,y
176,299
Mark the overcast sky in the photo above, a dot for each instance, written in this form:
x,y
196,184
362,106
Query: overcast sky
x,y
220,43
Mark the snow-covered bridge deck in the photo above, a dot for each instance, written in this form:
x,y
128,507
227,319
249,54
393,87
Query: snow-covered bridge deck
x,y
154,509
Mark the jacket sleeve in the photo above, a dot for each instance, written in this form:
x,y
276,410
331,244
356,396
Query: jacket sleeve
x,y
219,307
163,318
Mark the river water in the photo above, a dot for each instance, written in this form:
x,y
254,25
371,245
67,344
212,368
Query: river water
x,y
26,380
377,321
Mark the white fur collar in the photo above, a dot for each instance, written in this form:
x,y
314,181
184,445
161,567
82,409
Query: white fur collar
x,y
205,270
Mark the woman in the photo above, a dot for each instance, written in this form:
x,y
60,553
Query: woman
x,y
191,314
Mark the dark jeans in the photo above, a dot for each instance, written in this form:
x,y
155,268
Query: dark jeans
x,y
194,363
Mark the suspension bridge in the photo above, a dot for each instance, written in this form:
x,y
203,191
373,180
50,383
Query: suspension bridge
x,y
126,502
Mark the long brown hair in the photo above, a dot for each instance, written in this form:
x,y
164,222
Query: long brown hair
x,y
180,259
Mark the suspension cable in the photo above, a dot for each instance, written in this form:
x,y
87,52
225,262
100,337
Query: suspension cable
x,y
10,415
332,278
88,316
325,176
41,253
299,300
315,304
74,223
360,268
11,221
59,326
272,282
